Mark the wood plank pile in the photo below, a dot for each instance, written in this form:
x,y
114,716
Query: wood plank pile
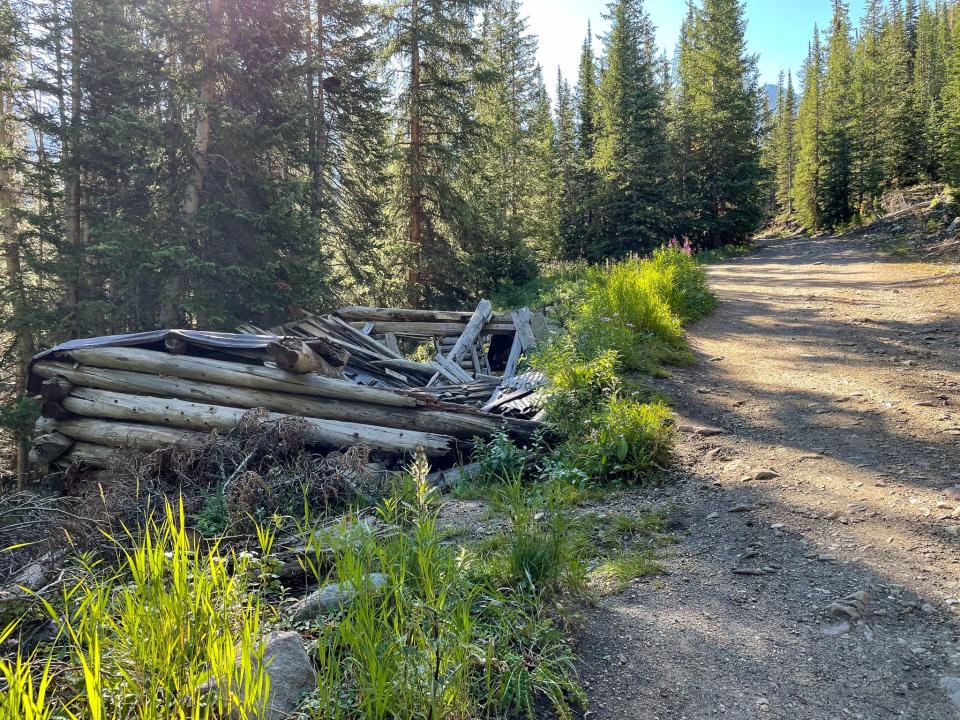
x,y
345,374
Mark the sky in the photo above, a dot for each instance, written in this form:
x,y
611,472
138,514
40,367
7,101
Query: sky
x,y
778,31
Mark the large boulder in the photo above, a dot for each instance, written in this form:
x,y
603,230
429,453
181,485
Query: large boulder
x,y
291,675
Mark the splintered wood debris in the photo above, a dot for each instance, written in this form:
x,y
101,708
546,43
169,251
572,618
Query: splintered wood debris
x,y
349,374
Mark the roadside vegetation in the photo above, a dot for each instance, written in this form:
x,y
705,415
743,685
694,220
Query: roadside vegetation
x,y
168,618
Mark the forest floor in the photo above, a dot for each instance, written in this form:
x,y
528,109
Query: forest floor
x,y
837,369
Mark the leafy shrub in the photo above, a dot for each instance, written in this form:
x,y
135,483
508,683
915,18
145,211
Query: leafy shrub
x,y
638,307
625,438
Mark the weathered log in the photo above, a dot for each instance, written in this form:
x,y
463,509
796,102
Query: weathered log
x,y
90,454
295,356
436,329
234,374
444,419
48,447
204,418
121,434
378,315
471,332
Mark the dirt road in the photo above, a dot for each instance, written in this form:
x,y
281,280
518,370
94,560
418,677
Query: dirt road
x,y
833,376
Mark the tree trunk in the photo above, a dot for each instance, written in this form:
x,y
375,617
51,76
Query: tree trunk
x,y
415,202
320,158
23,346
171,312
311,104
70,150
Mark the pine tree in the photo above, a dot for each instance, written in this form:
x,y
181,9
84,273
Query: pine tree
x,y
512,161
786,155
868,156
347,140
434,44
566,148
837,123
899,128
631,137
585,195
809,173
720,116
928,77
950,122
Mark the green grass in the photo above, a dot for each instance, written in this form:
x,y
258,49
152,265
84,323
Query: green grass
x,y
616,573
150,638
460,632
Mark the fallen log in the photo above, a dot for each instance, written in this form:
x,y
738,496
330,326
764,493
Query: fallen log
x,y
121,434
90,454
447,420
435,329
234,374
379,314
295,356
333,434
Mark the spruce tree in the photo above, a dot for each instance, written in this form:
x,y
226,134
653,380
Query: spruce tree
x,y
837,122
720,116
786,159
631,137
585,195
868,156
950,122
565,143
899,128
434,45
928,77
809,172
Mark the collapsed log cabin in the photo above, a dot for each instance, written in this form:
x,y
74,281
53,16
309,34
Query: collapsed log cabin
x,y
344,374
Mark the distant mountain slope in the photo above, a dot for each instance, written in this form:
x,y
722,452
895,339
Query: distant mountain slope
x,y
771,91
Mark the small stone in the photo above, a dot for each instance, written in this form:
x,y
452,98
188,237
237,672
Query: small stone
x,y
928,609
708,431
768,474
852,606
741,508
777,526
713,516
953,530
944,505
954,226
827,557
836,630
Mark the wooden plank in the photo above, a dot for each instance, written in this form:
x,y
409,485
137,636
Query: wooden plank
x,y
436,329
450,370
471,332
390,340
521,320
204,418
380,314
368,328
511,369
